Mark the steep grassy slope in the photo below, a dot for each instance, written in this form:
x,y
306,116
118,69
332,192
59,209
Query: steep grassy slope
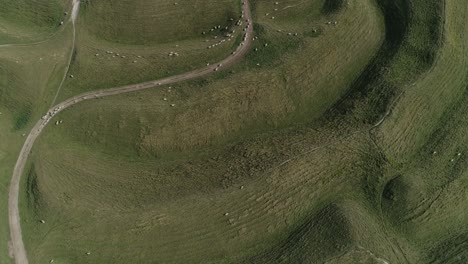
x,y
413,39
430,96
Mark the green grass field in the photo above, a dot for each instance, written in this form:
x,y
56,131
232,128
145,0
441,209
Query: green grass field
x,y
339,138
25,21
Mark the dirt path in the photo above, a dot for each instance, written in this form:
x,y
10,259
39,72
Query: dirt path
x,y
17,245
74,15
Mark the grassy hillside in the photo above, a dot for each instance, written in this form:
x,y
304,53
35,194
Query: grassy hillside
x,y
338,233
131,41
30,77
194,151
339,138
284,88
9,150
25,20
260,214
100,64
432,94
428,191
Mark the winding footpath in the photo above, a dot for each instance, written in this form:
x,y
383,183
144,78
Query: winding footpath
x,y
74,15
16,244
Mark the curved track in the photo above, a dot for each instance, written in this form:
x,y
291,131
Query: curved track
x,y
17,245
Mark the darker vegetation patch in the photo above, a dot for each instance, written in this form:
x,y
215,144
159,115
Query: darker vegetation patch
x,y
32,190
364,90
389,192
452,250
22,118
405,198
317,239
333,6
373,173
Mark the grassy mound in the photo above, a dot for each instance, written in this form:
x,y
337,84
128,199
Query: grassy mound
x,y
341,233
402,197
325,235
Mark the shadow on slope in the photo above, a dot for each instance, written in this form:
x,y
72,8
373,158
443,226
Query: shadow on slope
x,y
403,196
343,232
333,6
413,36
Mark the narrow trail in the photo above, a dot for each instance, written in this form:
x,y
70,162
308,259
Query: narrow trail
x,y
74,15
48,38
17,246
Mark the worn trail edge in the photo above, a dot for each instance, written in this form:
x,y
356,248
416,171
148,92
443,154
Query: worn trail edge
x,y
17,245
